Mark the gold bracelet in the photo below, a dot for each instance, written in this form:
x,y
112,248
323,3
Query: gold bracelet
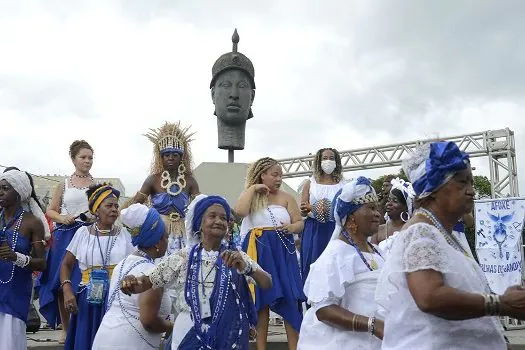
x,y
354,323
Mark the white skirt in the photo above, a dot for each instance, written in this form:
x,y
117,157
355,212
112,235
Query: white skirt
x,y
183,324
12,333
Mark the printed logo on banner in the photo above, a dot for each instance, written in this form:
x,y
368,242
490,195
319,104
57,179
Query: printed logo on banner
x,y
499,225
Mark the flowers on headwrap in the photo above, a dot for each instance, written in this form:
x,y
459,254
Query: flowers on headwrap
x,y
406,189
144,224
433,165
196,210
350,198
97,197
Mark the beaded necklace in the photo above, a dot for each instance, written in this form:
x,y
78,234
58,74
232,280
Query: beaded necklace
x,y
125,312
19,215
373,264
282,236
225,278
166,182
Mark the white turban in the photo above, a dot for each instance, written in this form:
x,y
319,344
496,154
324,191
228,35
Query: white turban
x,y
21,184
407,190
134,215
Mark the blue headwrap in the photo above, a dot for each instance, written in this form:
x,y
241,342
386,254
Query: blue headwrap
x,y
350,198
205,203
434,165
150,232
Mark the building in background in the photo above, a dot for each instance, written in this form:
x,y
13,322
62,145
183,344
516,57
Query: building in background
x,y
45,186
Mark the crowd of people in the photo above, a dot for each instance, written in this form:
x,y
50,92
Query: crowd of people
x,y
393,272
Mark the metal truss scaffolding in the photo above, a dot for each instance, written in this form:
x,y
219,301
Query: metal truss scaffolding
x,y
497,145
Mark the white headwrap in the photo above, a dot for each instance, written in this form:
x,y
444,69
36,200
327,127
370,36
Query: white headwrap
x,y
350,198
191,239
21,184
134,215
408,192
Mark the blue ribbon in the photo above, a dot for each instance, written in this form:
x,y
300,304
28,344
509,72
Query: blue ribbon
x,y
445,158
205,203
151,230
171,150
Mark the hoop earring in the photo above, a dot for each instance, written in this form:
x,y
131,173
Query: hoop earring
x,y
402,218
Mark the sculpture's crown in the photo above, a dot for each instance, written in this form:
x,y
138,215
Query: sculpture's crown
x,y
233,60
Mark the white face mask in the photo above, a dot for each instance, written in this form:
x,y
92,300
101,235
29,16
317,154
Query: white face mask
x,y
328,166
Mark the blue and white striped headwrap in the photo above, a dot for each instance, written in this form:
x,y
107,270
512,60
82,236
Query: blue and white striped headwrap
x,y
350,198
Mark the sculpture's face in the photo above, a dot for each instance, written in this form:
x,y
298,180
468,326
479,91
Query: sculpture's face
x,y
233,96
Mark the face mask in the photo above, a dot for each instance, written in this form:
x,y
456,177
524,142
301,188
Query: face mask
x,y
328,166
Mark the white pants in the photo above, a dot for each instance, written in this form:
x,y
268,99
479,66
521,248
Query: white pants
x,y
183,324
12,333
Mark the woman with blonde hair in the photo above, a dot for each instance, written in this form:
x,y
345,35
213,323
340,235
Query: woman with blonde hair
x,y
271,217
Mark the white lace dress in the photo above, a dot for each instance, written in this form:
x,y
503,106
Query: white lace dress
x,y
171,272
339,277
423,247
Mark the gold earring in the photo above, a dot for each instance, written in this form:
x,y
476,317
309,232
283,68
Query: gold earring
x,y
353,227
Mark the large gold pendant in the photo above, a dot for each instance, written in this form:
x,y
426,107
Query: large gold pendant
x,y
373,265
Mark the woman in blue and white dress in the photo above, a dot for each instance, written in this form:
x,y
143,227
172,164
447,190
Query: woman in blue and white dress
x,y
22,232
137,321
316,203
341,283
97,249
68,202
271,217
213,298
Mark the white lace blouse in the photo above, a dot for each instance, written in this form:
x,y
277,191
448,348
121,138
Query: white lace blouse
x,y
423,247
171,273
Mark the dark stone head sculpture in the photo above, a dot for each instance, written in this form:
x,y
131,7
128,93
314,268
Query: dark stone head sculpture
x,y
232,91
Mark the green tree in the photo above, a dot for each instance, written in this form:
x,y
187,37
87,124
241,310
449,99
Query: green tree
x,y
377,184
482,187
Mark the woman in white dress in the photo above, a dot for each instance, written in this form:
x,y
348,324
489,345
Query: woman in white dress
x,y
213,300
68,203
341,283
316,203
97,249
432,292
399,208
137,321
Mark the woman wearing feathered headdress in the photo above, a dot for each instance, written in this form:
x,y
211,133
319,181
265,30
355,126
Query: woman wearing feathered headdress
x,y
22,232
171,185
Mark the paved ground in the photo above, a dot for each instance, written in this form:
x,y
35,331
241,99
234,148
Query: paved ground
x,y
48,340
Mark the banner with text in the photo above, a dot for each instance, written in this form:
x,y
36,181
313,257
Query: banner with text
x,y
499,226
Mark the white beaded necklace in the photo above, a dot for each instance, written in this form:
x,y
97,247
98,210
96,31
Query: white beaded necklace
x,y
15,241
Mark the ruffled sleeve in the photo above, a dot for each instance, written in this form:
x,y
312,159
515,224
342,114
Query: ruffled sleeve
x,y
169,269
78,242
331,274
423,251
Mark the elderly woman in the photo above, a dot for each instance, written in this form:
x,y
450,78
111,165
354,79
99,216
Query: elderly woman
x,y
22,232
210,279
399,208
342,281
271,217
137,321
97,249
68,203
316,203
432,292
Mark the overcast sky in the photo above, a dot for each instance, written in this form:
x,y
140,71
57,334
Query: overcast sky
x,y
346,74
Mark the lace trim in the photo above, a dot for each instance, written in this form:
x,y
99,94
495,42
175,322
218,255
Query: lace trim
x,y
423,250
168,269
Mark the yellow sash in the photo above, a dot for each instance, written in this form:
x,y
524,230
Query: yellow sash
x,y
252,249
86,274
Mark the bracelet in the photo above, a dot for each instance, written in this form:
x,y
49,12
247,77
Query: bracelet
x,y
64,282
22,260
372,325
248,269
354,318
492,304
